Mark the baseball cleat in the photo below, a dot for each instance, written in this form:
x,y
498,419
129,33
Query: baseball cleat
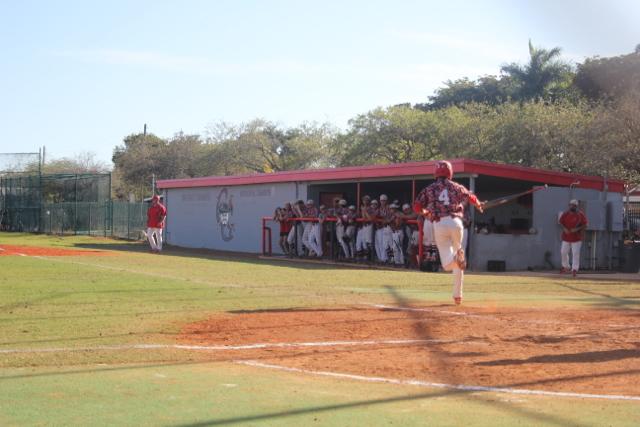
x,y
574,273
460,259
563,270
457,300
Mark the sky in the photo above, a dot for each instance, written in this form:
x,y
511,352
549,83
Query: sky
x,y
79,76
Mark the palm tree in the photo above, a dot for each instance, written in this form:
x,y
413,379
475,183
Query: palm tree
x,y
543,71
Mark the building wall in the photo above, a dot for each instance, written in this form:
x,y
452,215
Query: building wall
x,y
196,216
528,251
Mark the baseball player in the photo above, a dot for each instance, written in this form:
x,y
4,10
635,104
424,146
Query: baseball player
x,y
339,213
442,202
383,231
282,215
364,236
156,215
397,234
573,222
411,231
350,233
294,239
309,211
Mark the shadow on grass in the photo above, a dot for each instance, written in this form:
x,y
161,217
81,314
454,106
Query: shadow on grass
x,y
536,417
217,255
610,300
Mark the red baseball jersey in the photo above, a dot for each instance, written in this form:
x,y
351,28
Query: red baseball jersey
x,y
570,220
155,216
443,198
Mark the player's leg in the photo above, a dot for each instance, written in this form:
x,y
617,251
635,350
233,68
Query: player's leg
x,y
351,235
158,233
150,238
340,239
306,234
387,241
575,255
397,241
564,255
360,240
315,239
448,236
291,240
442,234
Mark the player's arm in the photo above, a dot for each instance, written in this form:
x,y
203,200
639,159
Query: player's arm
x,y
473,200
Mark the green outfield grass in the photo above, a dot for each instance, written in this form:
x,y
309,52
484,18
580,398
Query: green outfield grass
x,y
134,297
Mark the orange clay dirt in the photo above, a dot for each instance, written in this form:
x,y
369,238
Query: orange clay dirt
x,y
569,350
42,251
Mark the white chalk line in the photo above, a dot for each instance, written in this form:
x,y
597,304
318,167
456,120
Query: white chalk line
x,y
484,316
236,347
419,383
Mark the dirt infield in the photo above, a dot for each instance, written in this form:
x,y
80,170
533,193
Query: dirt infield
x,y
6,250
567,350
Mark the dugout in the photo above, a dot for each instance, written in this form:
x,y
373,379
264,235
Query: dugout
x,y
225,213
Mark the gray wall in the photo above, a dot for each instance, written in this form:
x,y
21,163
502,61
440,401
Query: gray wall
x,y
192,215
528,251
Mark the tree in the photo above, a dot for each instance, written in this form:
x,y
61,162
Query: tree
x,y
487,89
542,76
262,146
392,135
609,78
136,161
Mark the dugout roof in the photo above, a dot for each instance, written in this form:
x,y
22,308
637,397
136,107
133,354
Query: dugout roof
x,y
412,170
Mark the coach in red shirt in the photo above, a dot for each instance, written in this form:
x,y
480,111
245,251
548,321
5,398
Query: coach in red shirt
x,y
573,222
155,222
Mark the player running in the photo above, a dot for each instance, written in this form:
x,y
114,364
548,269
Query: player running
x,y
442,203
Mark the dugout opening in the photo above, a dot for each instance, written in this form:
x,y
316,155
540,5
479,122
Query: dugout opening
x,y
515,217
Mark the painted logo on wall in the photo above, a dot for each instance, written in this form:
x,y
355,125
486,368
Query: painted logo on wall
x,y
224,212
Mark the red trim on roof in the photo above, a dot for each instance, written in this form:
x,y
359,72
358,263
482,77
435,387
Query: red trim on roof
x,y
413,169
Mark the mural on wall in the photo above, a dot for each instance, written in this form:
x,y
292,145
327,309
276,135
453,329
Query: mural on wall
x,y
224,212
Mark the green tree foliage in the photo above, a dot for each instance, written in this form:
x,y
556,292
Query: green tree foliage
x,y
565,136
262,146
608,78
488,89
543,77
392,135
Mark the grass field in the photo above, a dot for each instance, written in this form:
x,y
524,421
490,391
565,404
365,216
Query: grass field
x,y
91,340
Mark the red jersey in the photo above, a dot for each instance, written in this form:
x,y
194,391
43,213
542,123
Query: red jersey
x,y
443,198
571,220
155,216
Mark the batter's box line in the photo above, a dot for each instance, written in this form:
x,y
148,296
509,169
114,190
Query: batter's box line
x,y
236,347
426,384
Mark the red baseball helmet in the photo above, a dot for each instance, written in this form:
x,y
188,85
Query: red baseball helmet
x,y
443,169
155,198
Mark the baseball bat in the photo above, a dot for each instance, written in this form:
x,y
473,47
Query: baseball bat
x,y
506,199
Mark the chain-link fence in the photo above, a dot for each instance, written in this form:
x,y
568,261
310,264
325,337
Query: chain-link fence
x,y
111,218
65,204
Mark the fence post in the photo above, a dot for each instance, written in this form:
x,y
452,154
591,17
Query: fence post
x,y
89,219
128,220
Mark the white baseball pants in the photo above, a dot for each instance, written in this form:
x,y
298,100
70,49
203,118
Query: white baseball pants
x,y
363,238
291,238
448,235
341,233
315,238
428,233
154,235
574,247
397,239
